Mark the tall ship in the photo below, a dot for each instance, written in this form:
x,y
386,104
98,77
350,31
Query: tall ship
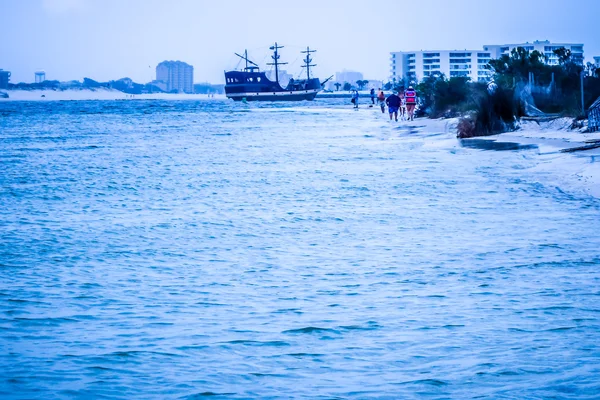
x,y
252,84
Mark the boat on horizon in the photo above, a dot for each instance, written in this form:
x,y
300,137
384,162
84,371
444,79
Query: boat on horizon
x,y
252,84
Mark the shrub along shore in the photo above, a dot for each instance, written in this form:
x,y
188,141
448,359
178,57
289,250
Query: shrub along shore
x,y
523,85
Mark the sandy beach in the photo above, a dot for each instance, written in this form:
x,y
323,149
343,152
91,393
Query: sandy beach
x,y
578,170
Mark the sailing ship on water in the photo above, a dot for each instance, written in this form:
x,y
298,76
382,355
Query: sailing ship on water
x,y
252,84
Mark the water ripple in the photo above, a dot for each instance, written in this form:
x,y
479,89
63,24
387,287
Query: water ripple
x,y
200,249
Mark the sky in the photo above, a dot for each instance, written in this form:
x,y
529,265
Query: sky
x,y
112,39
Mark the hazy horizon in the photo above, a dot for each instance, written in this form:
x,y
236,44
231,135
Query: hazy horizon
x,y
104,40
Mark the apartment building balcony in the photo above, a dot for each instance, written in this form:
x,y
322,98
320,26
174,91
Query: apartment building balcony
x,y
460,60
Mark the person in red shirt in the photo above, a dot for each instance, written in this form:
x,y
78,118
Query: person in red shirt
x,y
381,99
410,96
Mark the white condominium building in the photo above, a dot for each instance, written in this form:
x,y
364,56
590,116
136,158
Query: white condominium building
x,y
414,66
417,65
176,75
543,46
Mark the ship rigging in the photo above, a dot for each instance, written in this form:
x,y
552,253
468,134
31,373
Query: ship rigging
x,y
252,84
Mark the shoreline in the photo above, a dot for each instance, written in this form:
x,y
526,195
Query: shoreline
x,y
99,94
578,171
113,94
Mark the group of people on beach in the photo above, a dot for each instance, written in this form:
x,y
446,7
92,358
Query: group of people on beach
x,y
400,103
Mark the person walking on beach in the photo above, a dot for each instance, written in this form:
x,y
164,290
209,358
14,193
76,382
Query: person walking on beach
x,y
402,110
381,100
393,103
410,96
372,96
355,98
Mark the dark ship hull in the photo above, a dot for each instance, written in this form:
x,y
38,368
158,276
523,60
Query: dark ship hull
x,y
255,86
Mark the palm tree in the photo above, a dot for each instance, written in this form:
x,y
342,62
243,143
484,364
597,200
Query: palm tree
x,y
361,84
337,86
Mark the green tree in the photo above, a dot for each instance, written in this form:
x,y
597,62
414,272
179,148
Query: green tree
x,y
440,96
361,83
564,55
337,86
557,87
426,91
516,67
347,86
399,85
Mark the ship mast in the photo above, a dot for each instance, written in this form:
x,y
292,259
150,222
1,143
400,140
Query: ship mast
x,y
307,61
275,58
245,58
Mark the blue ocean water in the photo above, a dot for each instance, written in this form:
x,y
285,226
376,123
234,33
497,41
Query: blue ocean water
x,y
191,249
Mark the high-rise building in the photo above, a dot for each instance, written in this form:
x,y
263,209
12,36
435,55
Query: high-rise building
x,y
176,75
4,78
40,76
543,46
413,66
417,65
348,76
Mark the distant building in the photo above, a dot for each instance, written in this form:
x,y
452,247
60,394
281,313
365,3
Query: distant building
x,y
40,76
176,75
4,78
414,66
348,76
284,77
597,61
374,84
543,46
